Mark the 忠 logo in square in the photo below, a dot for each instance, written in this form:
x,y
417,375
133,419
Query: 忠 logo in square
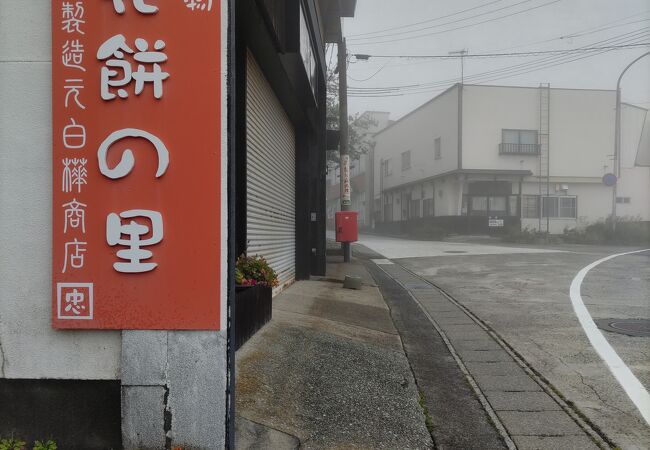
x,y
74,301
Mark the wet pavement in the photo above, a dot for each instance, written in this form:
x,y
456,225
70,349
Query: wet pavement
x,y
522,294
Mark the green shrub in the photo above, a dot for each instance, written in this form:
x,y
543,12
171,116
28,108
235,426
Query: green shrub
x,y
628,230
525,236
45,445
12,444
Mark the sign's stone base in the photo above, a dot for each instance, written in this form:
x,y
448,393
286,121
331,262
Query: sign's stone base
x,y
173,389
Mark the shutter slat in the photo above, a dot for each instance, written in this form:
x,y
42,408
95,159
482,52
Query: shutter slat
x,y
271,179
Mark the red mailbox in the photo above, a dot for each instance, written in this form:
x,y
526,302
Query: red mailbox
x,y
346,226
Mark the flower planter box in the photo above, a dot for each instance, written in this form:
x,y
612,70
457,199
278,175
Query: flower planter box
x,y
253,305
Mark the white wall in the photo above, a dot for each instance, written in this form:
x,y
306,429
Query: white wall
x,y
416,132
486,111
581,129
29,347
581,143
643,153
582,132
634,181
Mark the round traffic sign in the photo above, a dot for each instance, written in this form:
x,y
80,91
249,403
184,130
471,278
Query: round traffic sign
x,y
609,179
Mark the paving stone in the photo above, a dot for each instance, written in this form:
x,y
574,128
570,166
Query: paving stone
x,y
468,328
554,442
454,320
440,307
539,423
484,356
492,368
507,383
430,295
481,344
521,401
471,335
449,314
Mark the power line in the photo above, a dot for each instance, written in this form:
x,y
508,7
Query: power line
x,y
585,31
425,21
373,75
458,28
497,55
400,33
620,39
506,72
499,77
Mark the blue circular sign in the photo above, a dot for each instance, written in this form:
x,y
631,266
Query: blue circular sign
x,y
609,179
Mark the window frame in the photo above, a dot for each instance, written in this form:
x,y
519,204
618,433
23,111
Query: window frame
x,y
437,148
559,207
519,147
519,133
526,208
406,158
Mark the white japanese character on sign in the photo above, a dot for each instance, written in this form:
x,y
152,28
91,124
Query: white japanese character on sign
x,y
139,5
72,54
198,5
72,17
74,254
112,51
75,302
135,232
74,135
127,161
75,216
75,174
73,88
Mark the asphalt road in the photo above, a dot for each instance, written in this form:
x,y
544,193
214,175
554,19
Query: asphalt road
x,y
522,293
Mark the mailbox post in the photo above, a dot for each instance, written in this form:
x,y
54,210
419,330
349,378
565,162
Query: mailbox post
x,y
346,227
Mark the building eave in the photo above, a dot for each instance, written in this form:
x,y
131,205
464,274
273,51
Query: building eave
x,y
458,172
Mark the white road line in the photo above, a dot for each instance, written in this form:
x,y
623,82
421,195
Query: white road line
x,y
632,386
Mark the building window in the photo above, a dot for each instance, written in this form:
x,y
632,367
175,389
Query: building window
x,y
519,142
623,200
388,209
406,160
386,168
415,209
498,206
479,206
513,207
427,207
560,207
307,53
530,206
437,149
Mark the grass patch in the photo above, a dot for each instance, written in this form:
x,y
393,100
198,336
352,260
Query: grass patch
x,y
428,422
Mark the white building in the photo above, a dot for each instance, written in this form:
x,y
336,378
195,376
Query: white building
x,y
494,151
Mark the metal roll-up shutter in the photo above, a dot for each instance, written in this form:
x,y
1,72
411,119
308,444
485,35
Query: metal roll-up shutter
x,y
271,177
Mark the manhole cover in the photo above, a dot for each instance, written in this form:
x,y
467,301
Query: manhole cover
x,y
629,327
455,251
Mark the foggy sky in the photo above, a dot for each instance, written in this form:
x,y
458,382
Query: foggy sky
x,y
559,19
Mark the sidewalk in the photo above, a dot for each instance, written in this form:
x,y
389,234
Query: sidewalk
x,y
328,371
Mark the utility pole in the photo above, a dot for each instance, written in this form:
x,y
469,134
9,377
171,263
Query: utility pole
x,y
462,54
344,153
617,139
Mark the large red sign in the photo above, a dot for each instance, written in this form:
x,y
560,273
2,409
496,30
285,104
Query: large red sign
x,y
139,198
